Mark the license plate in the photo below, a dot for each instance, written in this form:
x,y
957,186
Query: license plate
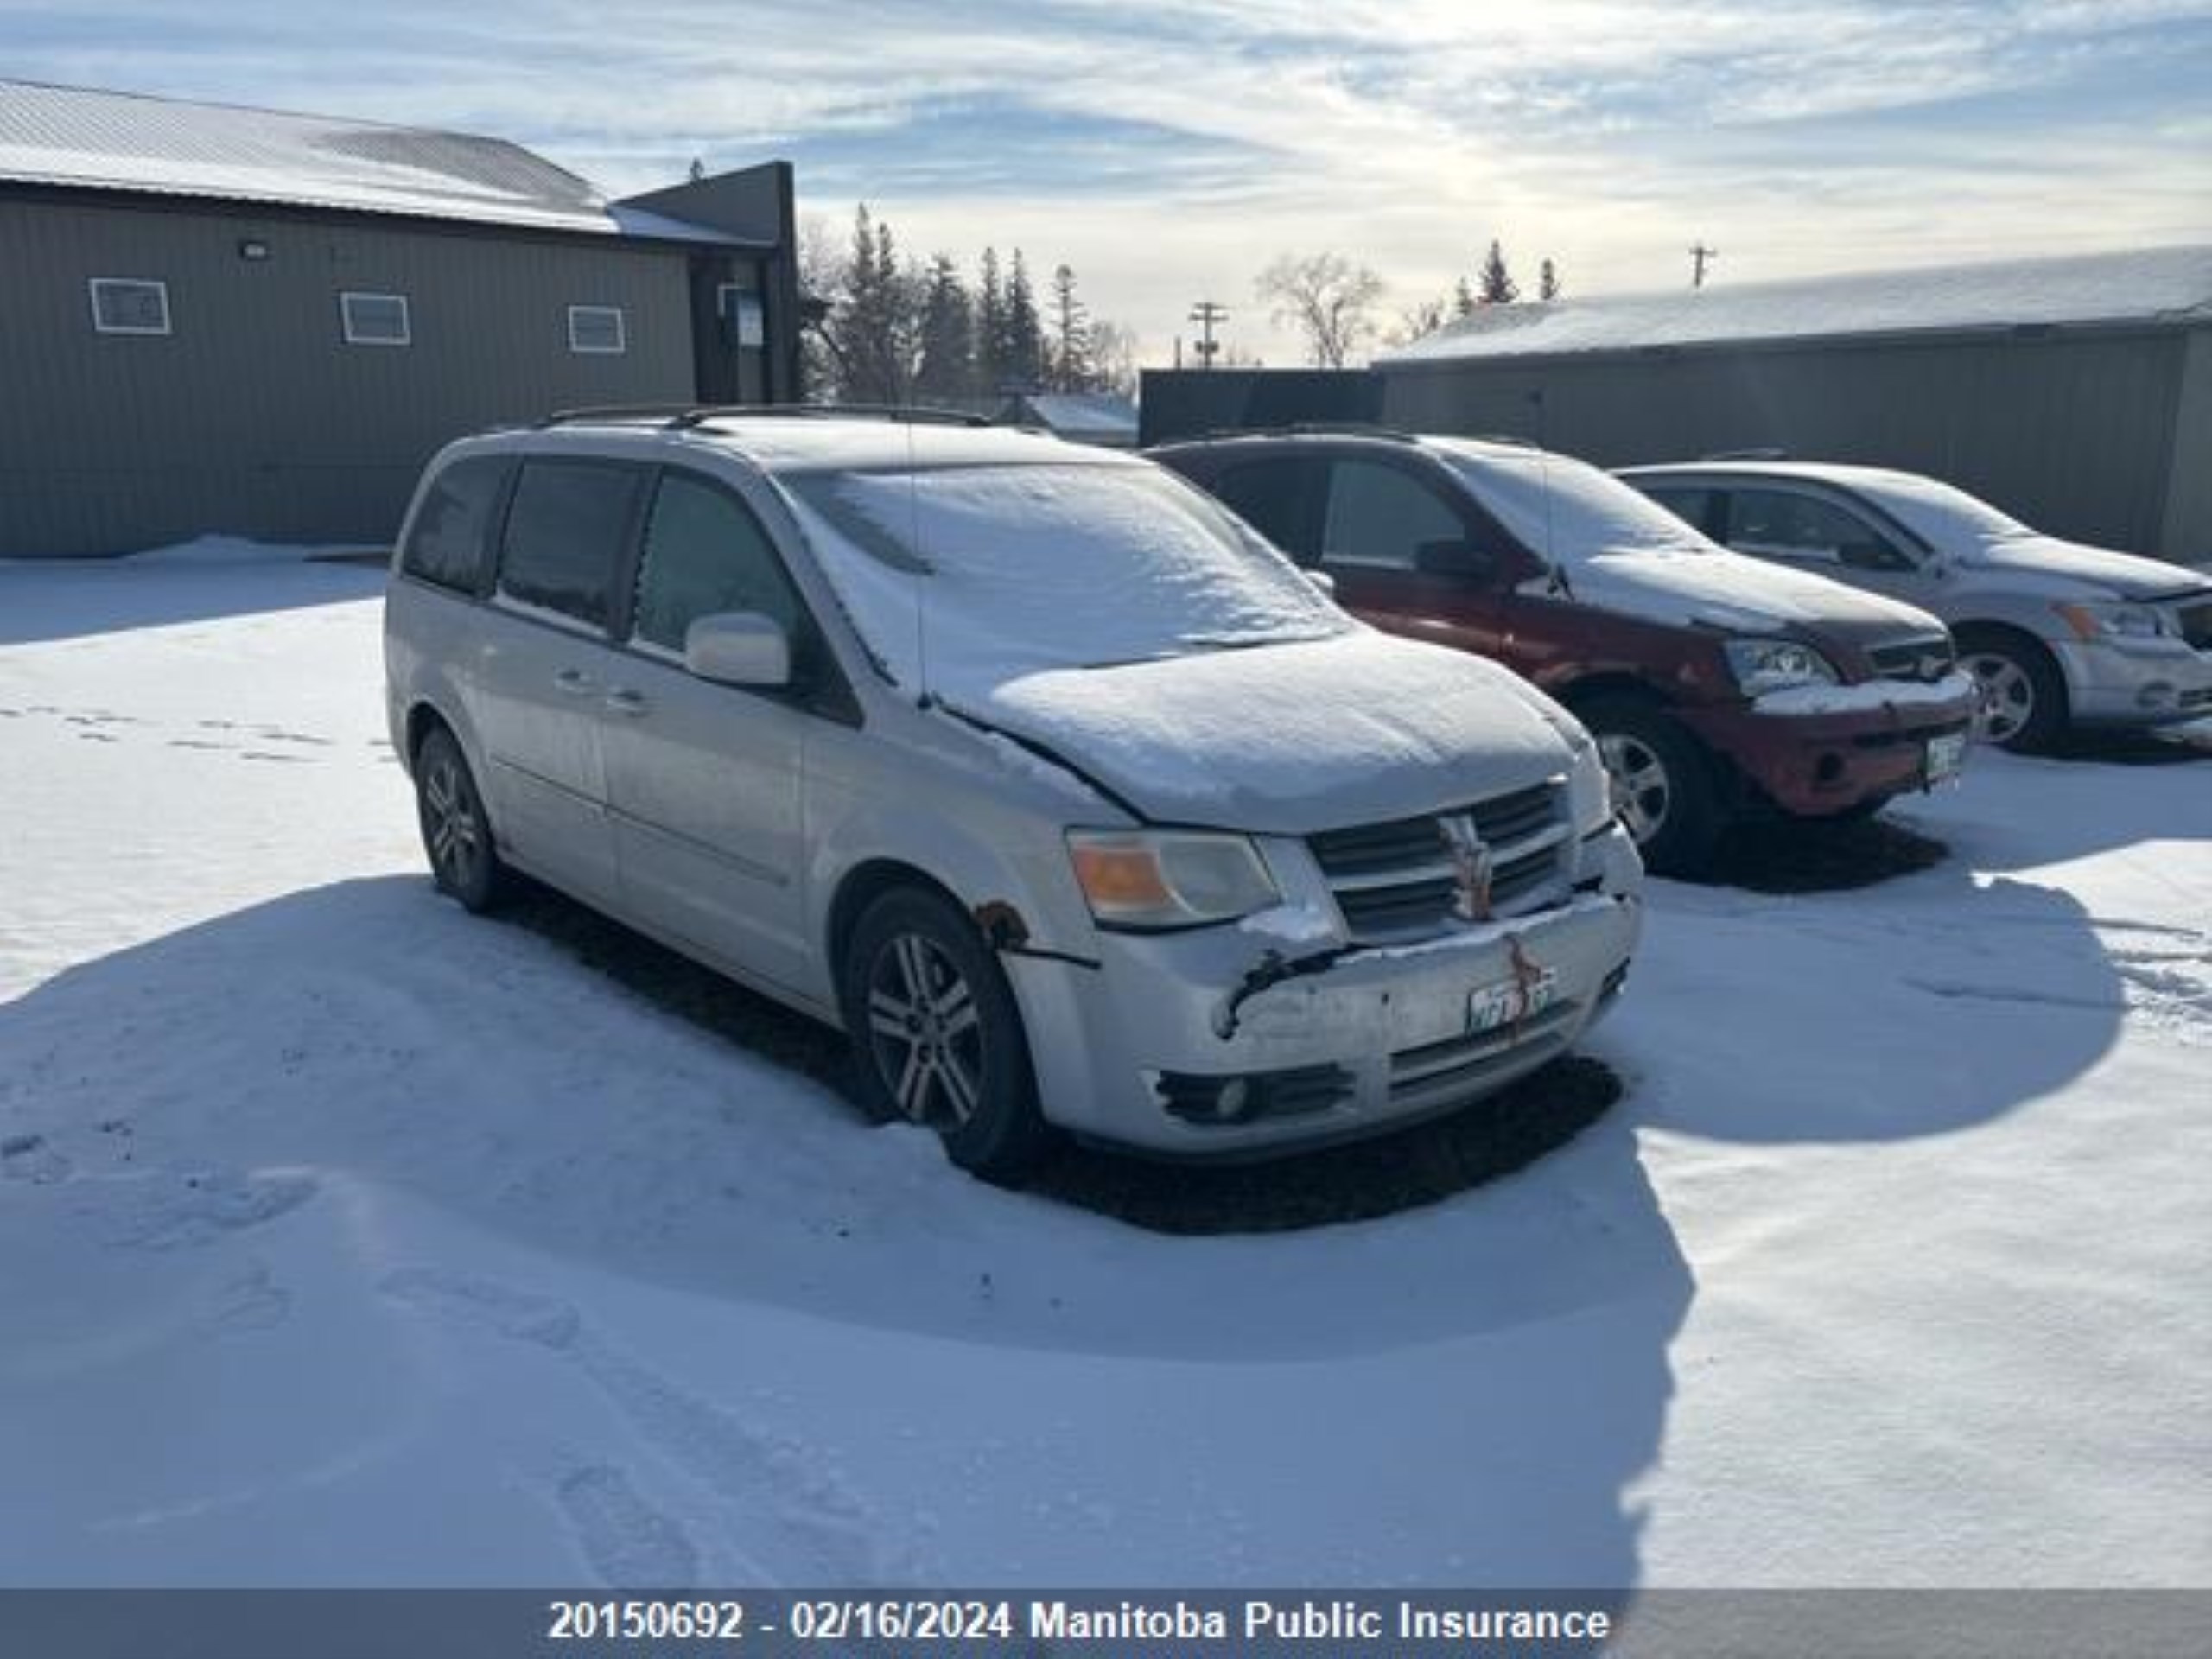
x,y
1946,755
1509,1002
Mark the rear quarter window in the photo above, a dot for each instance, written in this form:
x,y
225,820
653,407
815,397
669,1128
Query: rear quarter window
x,y
450,541
566,533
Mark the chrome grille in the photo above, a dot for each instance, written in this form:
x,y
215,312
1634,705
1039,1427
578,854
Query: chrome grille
x,y
1925,657
1409,878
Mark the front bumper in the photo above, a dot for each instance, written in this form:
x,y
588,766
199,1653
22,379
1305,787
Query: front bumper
x,y
2134,683
1390,1025
1817,764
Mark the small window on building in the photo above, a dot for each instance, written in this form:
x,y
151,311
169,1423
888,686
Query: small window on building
x,y
129,305
744,323
374,318
448,543
597,329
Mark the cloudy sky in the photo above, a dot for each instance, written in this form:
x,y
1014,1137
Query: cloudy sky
x,y
1168,152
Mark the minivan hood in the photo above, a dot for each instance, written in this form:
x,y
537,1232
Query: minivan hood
x,y
1291,739
1736,593
2070,570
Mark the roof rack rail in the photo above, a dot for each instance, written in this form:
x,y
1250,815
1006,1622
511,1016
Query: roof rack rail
x,y
1766,453
1510,439
678,416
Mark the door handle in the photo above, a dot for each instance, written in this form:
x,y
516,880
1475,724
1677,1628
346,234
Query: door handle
x,y
623,701
572,681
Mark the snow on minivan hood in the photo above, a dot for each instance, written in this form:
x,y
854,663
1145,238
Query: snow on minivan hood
x,y
1117,618
1623,552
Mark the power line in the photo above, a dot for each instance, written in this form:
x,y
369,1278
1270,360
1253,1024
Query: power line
x,y
1205,314
1700,256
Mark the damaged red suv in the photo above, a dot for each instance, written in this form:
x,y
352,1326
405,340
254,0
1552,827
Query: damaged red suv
x,y
1717,686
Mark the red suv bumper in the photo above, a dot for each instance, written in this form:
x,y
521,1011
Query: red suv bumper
x,y
1817,764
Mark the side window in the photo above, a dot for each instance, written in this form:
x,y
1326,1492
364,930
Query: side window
x,y
1781,523
450,536
1379,515
1271,497
704,553
565,535
1693,506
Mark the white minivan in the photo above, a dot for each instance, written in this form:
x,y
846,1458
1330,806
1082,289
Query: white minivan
x,y
1066,797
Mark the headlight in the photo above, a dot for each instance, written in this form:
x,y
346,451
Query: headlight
x,y
2093,622
1764,665
1168,878
1589,792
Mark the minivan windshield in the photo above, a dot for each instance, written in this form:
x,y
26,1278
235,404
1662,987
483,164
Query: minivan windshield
x,y
1565,508
966,578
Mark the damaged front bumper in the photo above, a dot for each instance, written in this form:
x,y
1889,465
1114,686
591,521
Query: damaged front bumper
x,y
1226,1042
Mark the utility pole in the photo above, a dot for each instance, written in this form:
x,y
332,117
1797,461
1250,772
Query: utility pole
x,y
1205,314
1700,256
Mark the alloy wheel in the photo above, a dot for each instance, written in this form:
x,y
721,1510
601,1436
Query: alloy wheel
x,y
1643,792
925,1031
451,823
2008,695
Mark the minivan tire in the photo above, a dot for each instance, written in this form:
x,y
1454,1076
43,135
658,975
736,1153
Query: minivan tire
x,y
1663,784
2016,668
456,829
937,1036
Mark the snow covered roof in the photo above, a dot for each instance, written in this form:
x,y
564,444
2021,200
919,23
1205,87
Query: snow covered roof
x,y
126,142
2150,285
1083,414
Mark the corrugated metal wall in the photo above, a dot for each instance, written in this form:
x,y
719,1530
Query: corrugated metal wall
x,y
253,416
2073,433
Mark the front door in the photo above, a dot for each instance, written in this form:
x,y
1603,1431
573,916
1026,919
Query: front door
x,y
707,781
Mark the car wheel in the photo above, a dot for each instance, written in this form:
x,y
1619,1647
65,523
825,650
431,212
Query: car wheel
x,y
456,831
1662,784
936,1034
2022,694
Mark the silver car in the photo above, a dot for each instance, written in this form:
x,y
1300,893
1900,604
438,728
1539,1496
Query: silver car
x,y
2059,634
1067,798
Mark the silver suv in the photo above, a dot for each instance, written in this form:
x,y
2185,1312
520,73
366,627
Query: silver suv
x,y
2057,633
1065,796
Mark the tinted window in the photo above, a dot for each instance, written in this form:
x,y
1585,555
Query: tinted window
x,y
451,533
705,553
1270,495
1379,515
1804,526
565,534
1691,506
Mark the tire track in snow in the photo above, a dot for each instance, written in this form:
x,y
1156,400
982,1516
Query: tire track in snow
x,y
792,1523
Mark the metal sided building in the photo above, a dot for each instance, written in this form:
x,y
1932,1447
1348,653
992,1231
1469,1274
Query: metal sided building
x,y
234,320
2075,393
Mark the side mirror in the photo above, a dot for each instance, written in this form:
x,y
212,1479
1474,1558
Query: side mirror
x,y
739,648
1452,558
1323,581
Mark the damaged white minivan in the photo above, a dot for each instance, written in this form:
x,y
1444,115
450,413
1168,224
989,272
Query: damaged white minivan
x,y
1073,802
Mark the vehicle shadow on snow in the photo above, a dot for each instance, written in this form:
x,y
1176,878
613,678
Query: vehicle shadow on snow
x,y
369,1036
1821,856
50,599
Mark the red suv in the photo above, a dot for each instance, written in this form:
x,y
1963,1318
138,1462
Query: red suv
x,y
1717,685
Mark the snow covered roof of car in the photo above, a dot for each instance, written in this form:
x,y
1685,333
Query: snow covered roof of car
x,y
2150,285
126,142
805,442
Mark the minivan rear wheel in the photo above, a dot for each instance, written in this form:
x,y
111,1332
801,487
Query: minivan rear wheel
x,y
456,830
1663,786
937,1035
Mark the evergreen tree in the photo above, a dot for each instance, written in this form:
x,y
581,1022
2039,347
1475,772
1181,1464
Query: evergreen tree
x,y
1070,368
990,369
945,345
1025,334
1463,299
1496,285
1548,283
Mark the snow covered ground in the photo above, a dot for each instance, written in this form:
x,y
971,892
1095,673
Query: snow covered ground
x,y
347,1240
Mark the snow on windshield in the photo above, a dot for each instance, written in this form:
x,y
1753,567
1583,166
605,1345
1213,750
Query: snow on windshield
x,y
962,578
1940,513
1565,509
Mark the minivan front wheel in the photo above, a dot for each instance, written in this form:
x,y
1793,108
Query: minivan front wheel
x,y
457,832
937,1035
